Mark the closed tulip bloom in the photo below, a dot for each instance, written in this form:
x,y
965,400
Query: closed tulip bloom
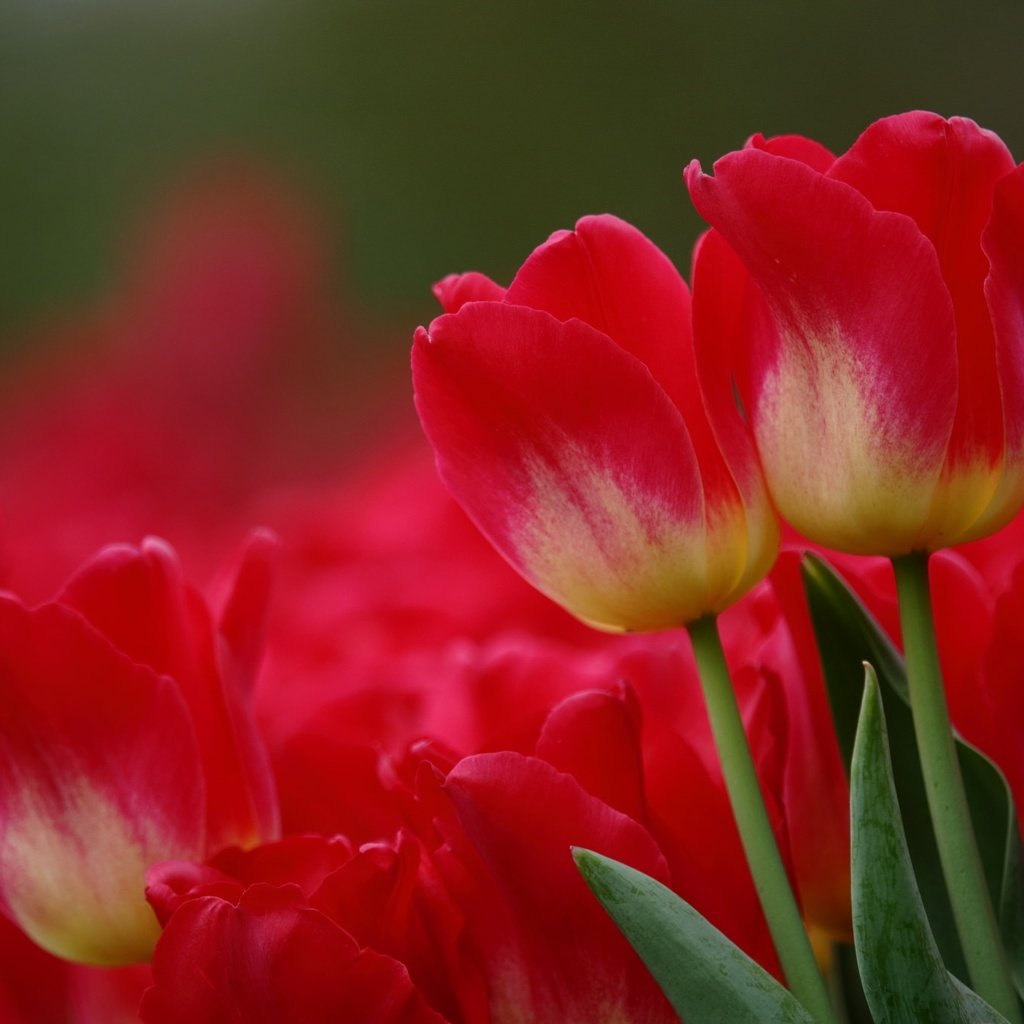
x,y
567,420
886,387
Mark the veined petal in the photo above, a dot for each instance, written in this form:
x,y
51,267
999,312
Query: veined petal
x,y
852,434
572,461
99,778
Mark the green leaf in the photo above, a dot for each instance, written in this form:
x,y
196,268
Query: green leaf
x,y
904,978
707,978
848,635
977,1009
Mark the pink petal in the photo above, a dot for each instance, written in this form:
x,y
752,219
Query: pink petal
x,y
390,897
246,607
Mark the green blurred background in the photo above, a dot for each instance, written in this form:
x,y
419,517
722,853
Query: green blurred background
x,y
440,136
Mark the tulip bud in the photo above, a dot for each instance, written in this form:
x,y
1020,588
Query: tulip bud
x,y
567,420
886,395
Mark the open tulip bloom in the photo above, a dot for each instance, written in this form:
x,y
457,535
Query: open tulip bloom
x,y
441,800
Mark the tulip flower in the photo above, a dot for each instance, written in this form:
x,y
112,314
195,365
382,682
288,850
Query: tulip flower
x,y
586,422
125,738
885,387
567,420
887,394
268,957
474,912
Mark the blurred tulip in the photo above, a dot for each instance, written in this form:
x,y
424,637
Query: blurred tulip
x,y
473,904
204,378
125,738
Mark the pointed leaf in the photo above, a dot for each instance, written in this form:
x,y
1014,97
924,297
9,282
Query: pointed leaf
x,y
979,1012
849,635
904,978
706,978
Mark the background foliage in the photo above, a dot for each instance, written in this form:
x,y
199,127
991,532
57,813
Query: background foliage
x,y
449,134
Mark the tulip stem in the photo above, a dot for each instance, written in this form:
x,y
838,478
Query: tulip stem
x,y
762,852
951,820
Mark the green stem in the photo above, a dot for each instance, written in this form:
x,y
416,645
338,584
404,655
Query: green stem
x,y
951,820
766,867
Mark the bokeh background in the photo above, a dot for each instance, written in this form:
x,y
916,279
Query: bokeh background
x,y
441,135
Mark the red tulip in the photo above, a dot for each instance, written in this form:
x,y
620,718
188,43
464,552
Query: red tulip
x,y
268,957
886,391
567,420
125,738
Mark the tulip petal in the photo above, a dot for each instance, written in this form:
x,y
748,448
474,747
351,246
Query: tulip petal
x,y
729,316
612,277
139,599
571,460
942,173
571,962
608,274
99,778
304,861
455,290
34,986
271,960
1003,242
246,606
796,147
816,790
391,898
595,737
852,434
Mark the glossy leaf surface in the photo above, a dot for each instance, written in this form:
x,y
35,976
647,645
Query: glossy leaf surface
x,y
904,978
706,978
